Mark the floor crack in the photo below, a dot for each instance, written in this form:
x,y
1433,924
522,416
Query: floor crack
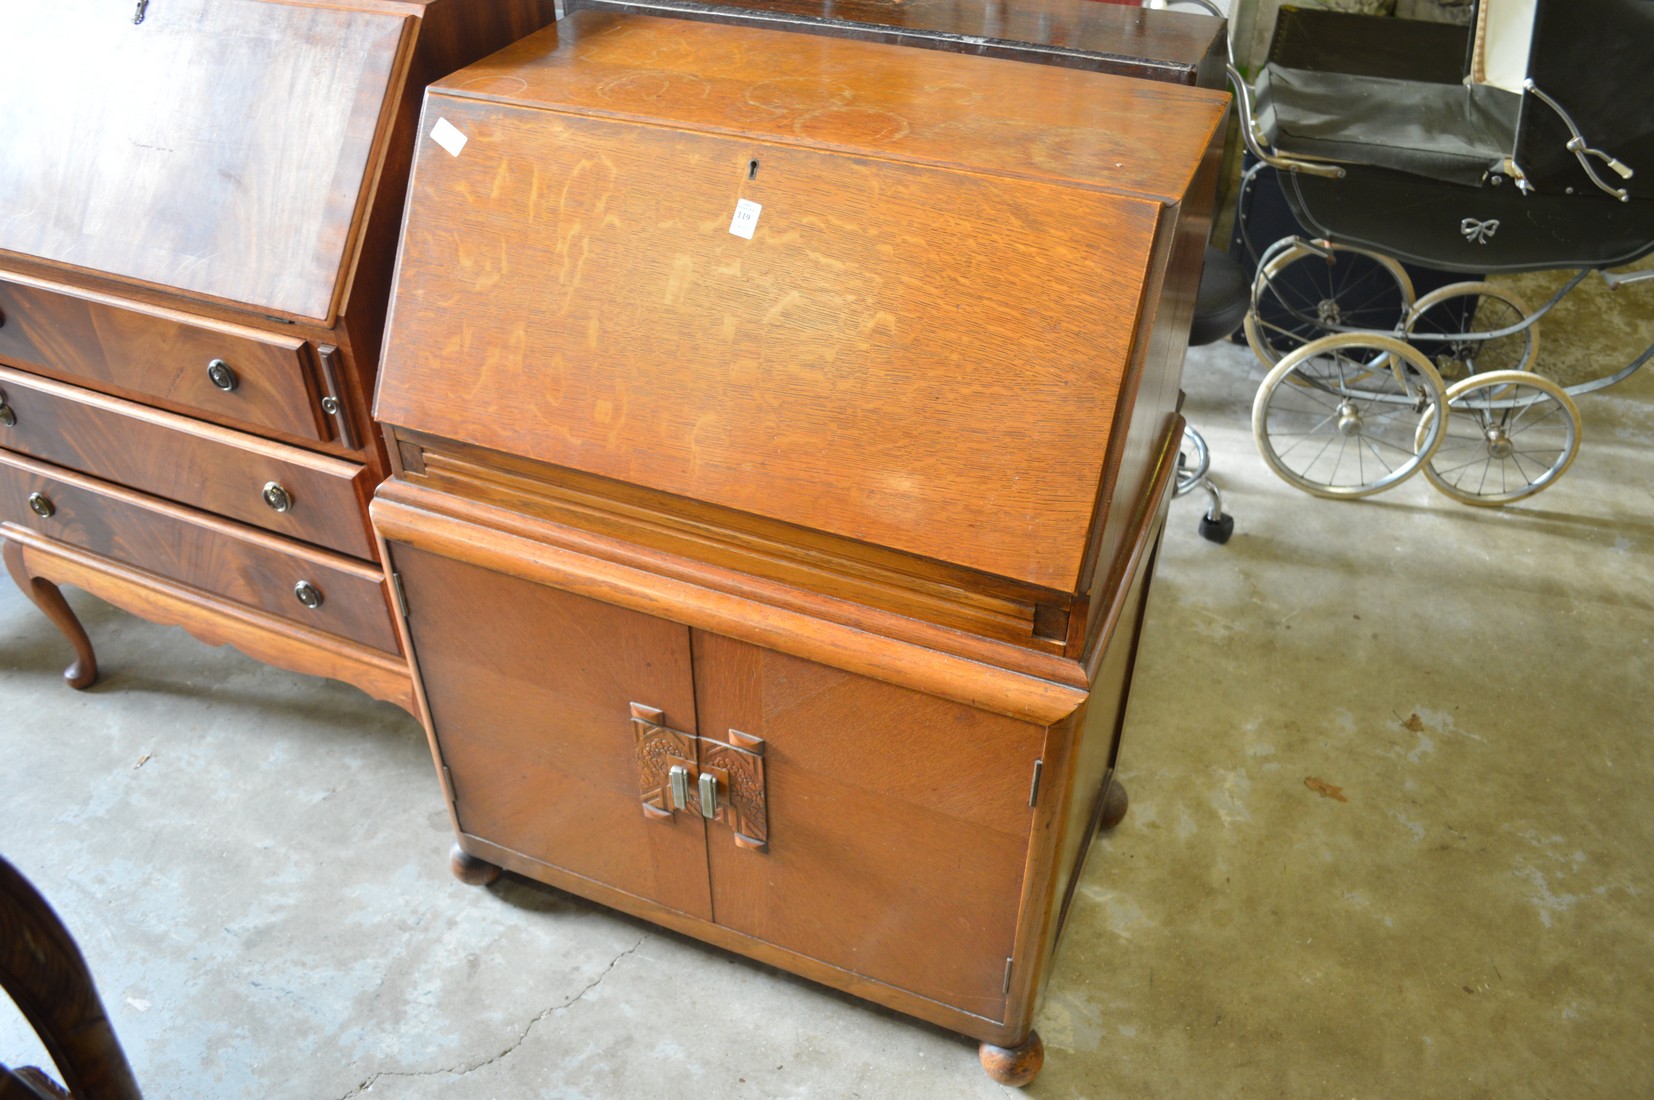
x,y
465,1068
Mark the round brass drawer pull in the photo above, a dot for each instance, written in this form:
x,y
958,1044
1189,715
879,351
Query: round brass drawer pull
x,y
308,594
279,499
222,375
40,506
8,415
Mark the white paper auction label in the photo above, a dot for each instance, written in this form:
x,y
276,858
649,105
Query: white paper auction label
x,y
447,135
746,218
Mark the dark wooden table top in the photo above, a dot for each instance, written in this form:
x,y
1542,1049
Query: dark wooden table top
x,y
1175,46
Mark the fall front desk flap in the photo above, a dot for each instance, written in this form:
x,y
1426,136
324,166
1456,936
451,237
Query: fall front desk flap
x,y
218,147
882,292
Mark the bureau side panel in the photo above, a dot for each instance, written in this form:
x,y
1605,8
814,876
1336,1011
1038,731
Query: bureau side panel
x,y
1101,727
1148,408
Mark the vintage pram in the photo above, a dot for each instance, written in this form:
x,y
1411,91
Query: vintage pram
x,y
1523,142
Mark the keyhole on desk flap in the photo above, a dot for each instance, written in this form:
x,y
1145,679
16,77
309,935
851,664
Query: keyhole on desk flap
x,y
752,169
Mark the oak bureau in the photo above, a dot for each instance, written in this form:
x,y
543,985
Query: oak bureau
x,y
195,250
782,428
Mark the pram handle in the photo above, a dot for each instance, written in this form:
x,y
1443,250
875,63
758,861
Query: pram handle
x,y
1254,139
1250,133
1616,281
1578,146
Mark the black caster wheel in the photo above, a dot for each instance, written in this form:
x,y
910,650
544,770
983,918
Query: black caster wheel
x,y
1217,530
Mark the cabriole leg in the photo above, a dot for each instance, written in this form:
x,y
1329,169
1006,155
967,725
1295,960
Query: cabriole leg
x,y
82,673
1015,1066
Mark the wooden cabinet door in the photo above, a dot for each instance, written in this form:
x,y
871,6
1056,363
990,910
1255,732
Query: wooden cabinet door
x,y
530,691
898,823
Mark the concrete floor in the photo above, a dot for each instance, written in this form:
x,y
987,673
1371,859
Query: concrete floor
x,y
254,862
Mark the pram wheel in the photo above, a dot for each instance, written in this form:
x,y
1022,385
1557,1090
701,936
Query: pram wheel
x,y
1509,435
1340,417
1451,326
1305,291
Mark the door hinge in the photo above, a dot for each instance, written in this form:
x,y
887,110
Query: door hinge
x,y
448,783
401,595
1009,965
1033,788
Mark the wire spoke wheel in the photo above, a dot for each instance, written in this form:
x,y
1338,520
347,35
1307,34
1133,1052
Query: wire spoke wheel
x,y
1509,434
1303,293
1331,423
1473,328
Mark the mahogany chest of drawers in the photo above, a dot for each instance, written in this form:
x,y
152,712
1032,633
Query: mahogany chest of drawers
x,y
782,430
195,253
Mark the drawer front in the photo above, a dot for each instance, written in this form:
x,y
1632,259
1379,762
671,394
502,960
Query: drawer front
x,y
192,548
282,489
163,355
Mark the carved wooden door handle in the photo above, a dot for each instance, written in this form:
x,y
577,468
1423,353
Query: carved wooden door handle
x,y
665,761
739,764
722,781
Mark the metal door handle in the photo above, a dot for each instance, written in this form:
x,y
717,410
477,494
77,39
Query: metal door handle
x,y
709,795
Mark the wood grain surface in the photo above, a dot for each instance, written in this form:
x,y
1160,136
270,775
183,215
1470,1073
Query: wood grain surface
x,y
153,352
806,560
871,480
193,548
924,1008
535,551
529,692
220,180
82,672
214,620
242,133
899,823
933,377
862,98
204,466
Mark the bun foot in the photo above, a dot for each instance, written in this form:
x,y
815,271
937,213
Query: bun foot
x,y
82,673
1014,1066
1115,804
471,870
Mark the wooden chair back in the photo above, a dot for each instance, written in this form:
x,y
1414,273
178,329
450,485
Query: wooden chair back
x,y
43,972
